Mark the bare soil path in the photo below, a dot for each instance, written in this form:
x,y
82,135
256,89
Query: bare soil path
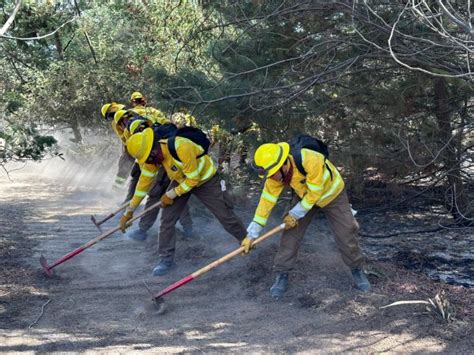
x,y
98,301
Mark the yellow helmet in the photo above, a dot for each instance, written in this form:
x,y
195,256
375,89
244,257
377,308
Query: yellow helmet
x,y
119,115
110,108
136,96
269,158
139,145
136,124
104,109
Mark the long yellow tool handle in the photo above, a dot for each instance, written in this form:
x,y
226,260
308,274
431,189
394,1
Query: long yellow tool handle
x,y
112,214
105,219
236,252
129,223
216,263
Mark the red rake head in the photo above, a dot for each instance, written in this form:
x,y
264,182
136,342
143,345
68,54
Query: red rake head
x,y
45,266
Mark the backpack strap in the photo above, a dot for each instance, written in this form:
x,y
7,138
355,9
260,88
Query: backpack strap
x,y
299,162
327,167
298,157
174,153
172,148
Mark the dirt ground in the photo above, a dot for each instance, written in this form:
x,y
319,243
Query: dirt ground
x,y
97,302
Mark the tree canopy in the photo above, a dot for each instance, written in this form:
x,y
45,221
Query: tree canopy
x,y
388,85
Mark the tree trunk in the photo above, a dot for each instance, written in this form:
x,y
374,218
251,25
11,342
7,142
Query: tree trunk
x,y
59,46
76,130
457,198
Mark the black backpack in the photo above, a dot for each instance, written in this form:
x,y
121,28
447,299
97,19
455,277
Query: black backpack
x,y
311,143
164,131
193,134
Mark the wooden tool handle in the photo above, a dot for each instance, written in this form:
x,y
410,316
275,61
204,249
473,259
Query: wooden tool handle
x,y
236,252
214,264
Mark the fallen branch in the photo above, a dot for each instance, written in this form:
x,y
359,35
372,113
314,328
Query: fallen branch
x,y
439,304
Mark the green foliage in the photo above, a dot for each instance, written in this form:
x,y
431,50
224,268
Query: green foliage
x,y
18,143
316,67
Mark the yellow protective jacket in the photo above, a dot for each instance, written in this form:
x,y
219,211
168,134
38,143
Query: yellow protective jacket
x,y
181,119
189,172
153,114
119,132
317,188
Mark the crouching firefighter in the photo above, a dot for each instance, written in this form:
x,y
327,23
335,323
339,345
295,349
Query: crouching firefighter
x,y
316,184
191,171
125,163
159,183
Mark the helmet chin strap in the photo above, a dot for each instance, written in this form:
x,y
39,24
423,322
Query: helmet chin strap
x,y
287,177
157,155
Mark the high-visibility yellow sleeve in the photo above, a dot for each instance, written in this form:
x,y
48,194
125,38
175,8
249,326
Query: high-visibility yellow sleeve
x,y
323,181
148,174
271,191
156,115
191,167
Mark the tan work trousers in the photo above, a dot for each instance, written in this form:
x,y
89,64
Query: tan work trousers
x,y
158,188
343,225
212,196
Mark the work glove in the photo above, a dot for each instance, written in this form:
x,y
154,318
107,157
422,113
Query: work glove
x,y
253,230
247,244
298,211
168,198
290,221
127,216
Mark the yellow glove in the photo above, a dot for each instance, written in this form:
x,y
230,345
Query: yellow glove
x,y
127,216
166,201
168,198
247,244
290,221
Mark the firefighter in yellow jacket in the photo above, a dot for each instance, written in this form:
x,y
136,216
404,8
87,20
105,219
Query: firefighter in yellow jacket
x,y
192,173
321,186
125,162
139,105
126,123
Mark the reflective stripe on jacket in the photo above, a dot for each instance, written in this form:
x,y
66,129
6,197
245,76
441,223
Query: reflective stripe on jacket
x,y
316,188
148,174
189,173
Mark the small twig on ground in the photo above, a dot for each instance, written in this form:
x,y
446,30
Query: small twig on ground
x,y
41,314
